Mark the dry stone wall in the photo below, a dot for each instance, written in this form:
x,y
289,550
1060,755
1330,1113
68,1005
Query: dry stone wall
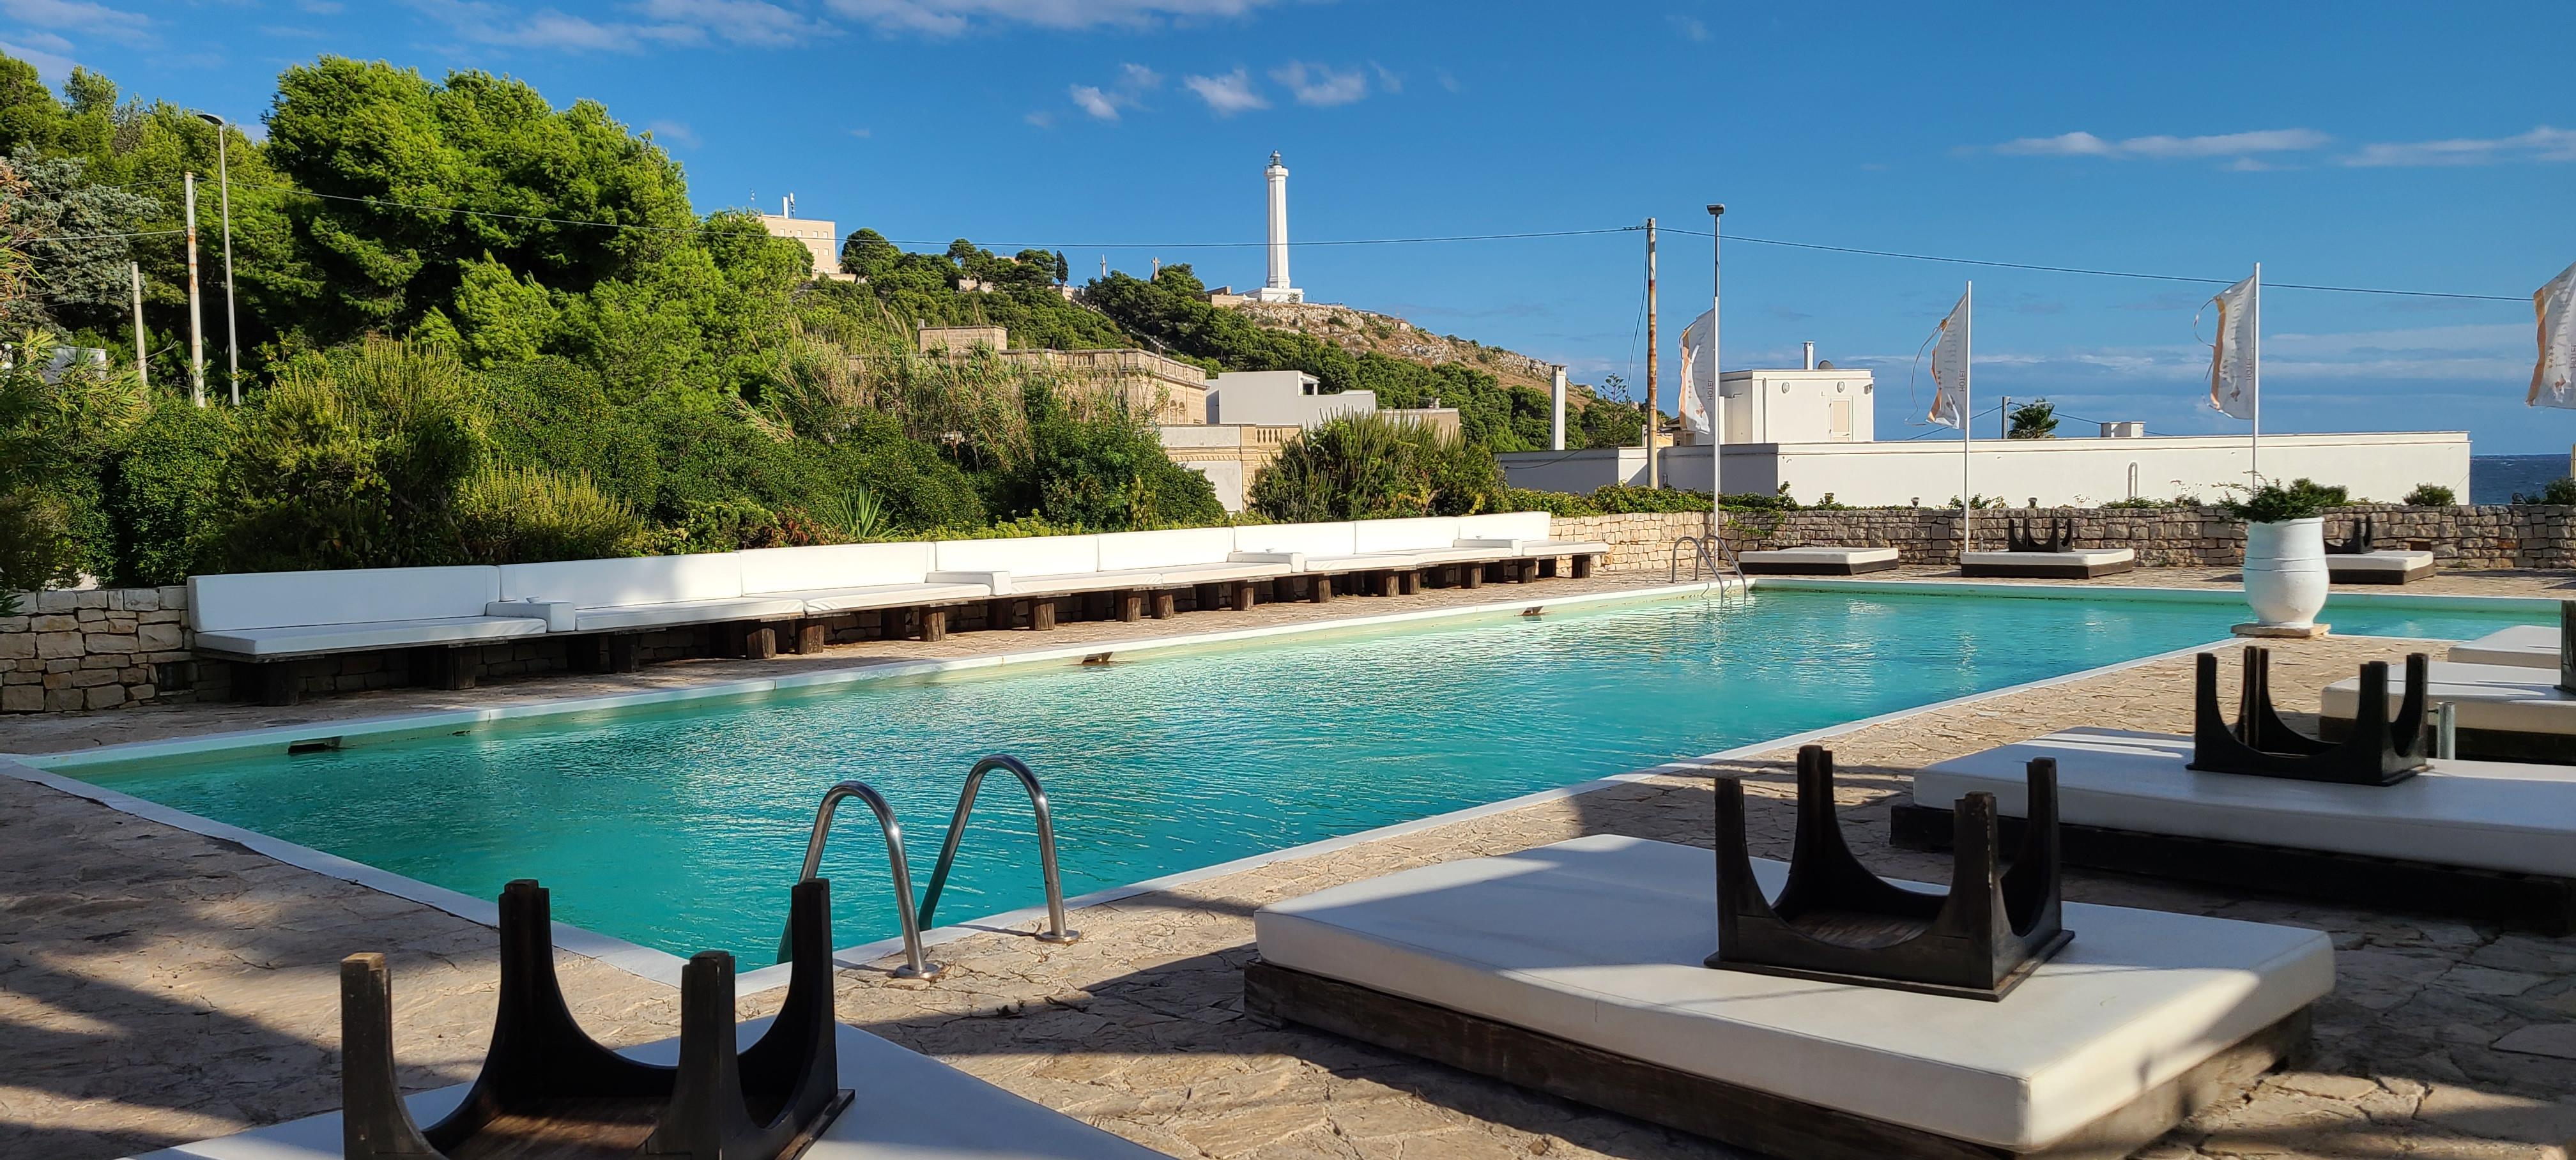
x,y
96,649
2485,536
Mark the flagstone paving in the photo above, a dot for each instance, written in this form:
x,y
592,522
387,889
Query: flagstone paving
x,y
158,986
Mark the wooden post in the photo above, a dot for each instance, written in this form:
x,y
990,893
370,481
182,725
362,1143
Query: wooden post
x,y
1042,613
1243,596
1000,614
280,683
1320,589
1205,597
1409,581
1471,575
1583,566
759,642
934,624
1386,583
1131,606
1282,590
622,656
811,637
458,666
1166,605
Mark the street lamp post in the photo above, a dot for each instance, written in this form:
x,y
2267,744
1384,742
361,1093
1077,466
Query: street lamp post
x,y
224,182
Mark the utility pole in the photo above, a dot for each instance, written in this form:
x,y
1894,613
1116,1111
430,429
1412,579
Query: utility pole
x,y
142,364
2003,418
1654,474
196,319
224,184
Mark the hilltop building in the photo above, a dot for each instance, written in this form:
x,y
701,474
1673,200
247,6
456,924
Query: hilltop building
x,y
1225,426
816,234
1812,429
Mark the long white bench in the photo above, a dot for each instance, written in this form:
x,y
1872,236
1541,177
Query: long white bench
x,y
293,615
2477,839
270,619
1577,968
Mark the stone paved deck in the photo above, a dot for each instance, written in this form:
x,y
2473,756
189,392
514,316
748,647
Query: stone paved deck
x,y
157,986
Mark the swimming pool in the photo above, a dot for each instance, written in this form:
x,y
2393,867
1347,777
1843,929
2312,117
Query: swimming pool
x,y
679,828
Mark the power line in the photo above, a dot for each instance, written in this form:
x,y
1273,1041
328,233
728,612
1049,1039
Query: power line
x,y
1256,245
2091,272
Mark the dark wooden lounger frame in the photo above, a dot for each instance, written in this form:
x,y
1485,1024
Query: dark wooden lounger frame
x,y
2535,902
1820,568
1730,1113
2486,744
2041,566
2336,575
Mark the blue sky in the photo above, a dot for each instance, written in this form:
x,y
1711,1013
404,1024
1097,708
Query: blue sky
x,y
2404,146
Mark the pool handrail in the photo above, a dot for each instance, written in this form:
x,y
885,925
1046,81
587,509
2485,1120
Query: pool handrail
x,y
1707,552
914,966
1055,931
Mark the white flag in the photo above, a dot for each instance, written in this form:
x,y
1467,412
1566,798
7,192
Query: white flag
x,y
2555,303
1699,375
1950,369
2235,371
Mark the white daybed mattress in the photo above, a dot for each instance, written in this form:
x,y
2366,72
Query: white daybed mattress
x,y
1600,940
2528,646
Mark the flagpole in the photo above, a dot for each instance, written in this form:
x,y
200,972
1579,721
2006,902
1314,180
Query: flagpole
x,y
1967,419
2254,338
1716,389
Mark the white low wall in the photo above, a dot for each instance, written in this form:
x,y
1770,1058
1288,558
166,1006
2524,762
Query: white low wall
x,y
2053,472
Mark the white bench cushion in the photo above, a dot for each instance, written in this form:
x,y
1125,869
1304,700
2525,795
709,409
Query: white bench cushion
x,y
2483,814
766,570
2529,646
1820,556
824,601
1504,526
615,583
1370,561
1543,549
2385,560
1600,940
679,612
2079,558
2504,698
1340,539
315,639
1120,551
1085,581
1238,570
1032,556
222,603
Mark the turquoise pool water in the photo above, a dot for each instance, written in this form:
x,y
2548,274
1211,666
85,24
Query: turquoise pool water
x,y
681,828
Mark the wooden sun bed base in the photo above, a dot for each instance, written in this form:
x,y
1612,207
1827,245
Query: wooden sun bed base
x,y
2040,567
1729,1113
2535,902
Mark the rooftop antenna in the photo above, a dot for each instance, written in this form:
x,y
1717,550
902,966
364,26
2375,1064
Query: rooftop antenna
x,y
787,207
1104,265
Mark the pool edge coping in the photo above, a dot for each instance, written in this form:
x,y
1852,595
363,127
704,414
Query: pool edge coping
x,y
664,967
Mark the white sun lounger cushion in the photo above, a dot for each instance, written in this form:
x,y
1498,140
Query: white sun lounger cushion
x,y
2528,646
2502,698
315,639
2482,814
1600,940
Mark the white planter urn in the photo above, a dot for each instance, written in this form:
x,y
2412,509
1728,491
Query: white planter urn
x,y
2285,571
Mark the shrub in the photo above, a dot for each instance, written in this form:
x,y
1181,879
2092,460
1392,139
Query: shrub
x,y
525,515
2561,490
1555,503
852,514
1371,466
2273,503
1621,499
1100,467
2432,495
164,493
2142,502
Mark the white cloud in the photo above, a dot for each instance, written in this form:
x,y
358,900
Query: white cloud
x,y
863,133
44,42
952,17
675,132
1450,82
1228,94
1095,102
755,22
2540,144
51,68
320,7
2167,148
1127,92
82,16
1691,27
1321,85
1387,79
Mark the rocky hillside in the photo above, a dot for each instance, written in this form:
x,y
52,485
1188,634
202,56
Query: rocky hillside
x,y
1359,331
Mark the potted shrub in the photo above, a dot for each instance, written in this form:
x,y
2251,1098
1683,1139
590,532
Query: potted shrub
x,y
2285,550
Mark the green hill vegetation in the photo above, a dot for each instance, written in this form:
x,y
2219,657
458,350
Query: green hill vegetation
x,y
478,327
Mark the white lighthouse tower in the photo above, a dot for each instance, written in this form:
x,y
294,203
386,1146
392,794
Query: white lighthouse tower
x,y
1277,288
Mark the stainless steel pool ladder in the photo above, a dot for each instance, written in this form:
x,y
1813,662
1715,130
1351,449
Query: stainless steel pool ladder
x,y
915,966
1707,553
1055,931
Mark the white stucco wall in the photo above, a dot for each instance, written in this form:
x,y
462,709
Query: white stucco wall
x,y
2069,472
1799,406
1278,398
